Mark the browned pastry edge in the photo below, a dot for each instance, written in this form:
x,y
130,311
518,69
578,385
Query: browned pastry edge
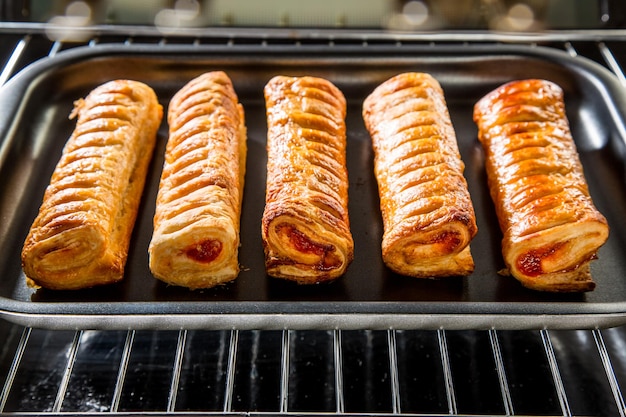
x,y
81,235
428,216
196,240
551,228
305,226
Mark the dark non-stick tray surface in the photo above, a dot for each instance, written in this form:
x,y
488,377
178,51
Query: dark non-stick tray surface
x,y
34,126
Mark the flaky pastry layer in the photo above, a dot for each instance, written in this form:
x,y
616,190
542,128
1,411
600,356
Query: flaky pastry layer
x,y
195,242
305,225
551,228
428,216
81,235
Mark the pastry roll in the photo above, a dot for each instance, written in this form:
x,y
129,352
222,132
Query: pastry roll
x,y
196,224
81,235
428,216
551,229
305,226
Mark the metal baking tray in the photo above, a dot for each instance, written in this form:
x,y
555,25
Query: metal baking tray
x,y
34,126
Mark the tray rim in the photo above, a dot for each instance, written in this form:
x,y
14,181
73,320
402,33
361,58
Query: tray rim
x,y
282,315
314,314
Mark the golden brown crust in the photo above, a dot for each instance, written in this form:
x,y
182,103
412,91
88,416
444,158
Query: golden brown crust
x,y
305,226
551,227
428,216
196,224
81,235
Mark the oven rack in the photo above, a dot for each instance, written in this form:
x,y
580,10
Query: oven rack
x,y
297,372
214,372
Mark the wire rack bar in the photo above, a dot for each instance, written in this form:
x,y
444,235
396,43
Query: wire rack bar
x,y
15,364
123,369
230,370
178,364
447,371
502,379
611,61
284,371
13,59
556,374
306,33
71,360
610,372
393,370
569,48
338,359
56,47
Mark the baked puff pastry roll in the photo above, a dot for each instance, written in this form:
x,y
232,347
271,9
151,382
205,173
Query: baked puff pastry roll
x,y
195,242
551,229
305,226
81,235
428,216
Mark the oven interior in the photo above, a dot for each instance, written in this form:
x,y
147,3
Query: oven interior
x,y
310,371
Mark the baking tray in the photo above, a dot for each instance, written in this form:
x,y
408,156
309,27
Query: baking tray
x,y
34,126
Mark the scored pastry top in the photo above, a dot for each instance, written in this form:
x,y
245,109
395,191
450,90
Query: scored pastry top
x,y
306,228
428,216
551,228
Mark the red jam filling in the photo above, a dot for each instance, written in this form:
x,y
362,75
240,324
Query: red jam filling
x,y
530,262
449,240
205,251
303,244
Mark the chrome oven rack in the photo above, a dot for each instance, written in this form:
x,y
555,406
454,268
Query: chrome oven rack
x,y
290,372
